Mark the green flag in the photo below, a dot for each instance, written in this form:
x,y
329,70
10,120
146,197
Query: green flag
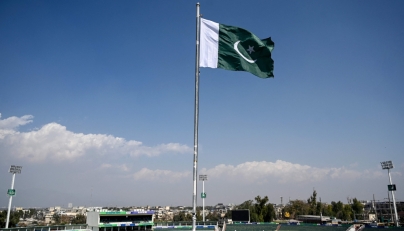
x,y
236,49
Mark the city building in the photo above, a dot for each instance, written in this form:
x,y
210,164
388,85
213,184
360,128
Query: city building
x,y
384,210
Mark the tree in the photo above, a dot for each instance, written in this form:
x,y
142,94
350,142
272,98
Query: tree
x,y
228,214
212,216
296,207
260,210
64,219
199,217
181,216
56,218
250,206
20,213
327,210
79,219
3,217
13,221
312,201
32,213
357,207
347,212
319,208
270,213
337,209
245,205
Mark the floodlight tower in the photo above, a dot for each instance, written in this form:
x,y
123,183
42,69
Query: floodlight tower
x,y
11,192
203,194
392,187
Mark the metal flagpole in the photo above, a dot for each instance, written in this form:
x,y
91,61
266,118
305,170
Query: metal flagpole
x,y
196,117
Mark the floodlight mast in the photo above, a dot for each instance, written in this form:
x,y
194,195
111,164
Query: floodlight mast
x,y
14,170
203,178
389,165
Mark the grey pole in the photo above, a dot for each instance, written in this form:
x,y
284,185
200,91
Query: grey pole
x,y
321,212
389,165
196,117
203,178
203,200
391,211
374,206
9,202
394,200
13,169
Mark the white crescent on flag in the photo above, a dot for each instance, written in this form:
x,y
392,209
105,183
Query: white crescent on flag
x,y
242,56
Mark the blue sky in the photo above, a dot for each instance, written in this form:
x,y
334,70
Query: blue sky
x,y
97,103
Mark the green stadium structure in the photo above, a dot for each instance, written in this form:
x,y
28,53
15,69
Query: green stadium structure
x,y
120,220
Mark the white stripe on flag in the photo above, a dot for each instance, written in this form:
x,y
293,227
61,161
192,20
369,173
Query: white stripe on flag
x,y
209,44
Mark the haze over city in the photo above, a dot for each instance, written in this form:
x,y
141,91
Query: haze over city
x,y
97,103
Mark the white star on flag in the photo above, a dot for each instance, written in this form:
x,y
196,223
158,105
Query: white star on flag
x,y
250,49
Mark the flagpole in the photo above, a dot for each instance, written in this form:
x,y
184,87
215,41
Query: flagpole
x,y
196,117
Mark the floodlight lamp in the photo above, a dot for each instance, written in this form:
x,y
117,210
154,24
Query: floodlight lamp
x,y
203,177
387,164
15,169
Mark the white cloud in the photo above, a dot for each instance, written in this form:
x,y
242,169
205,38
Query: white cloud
x,y
116,167
146,174
155,151
283,172
54,142
8,126
14,122
262,172
105,166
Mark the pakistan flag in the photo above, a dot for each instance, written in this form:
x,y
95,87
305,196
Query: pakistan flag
x,y
236,49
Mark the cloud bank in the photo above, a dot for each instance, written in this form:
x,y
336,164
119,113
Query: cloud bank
x,y
54,142
262,172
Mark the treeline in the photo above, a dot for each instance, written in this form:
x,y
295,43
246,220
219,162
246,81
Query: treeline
x,y
351,211
263,211
64,219
14,219
260,209
16,215
182,216
33,213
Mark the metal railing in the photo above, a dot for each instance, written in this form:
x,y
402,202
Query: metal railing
x,y
184,223
48,228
